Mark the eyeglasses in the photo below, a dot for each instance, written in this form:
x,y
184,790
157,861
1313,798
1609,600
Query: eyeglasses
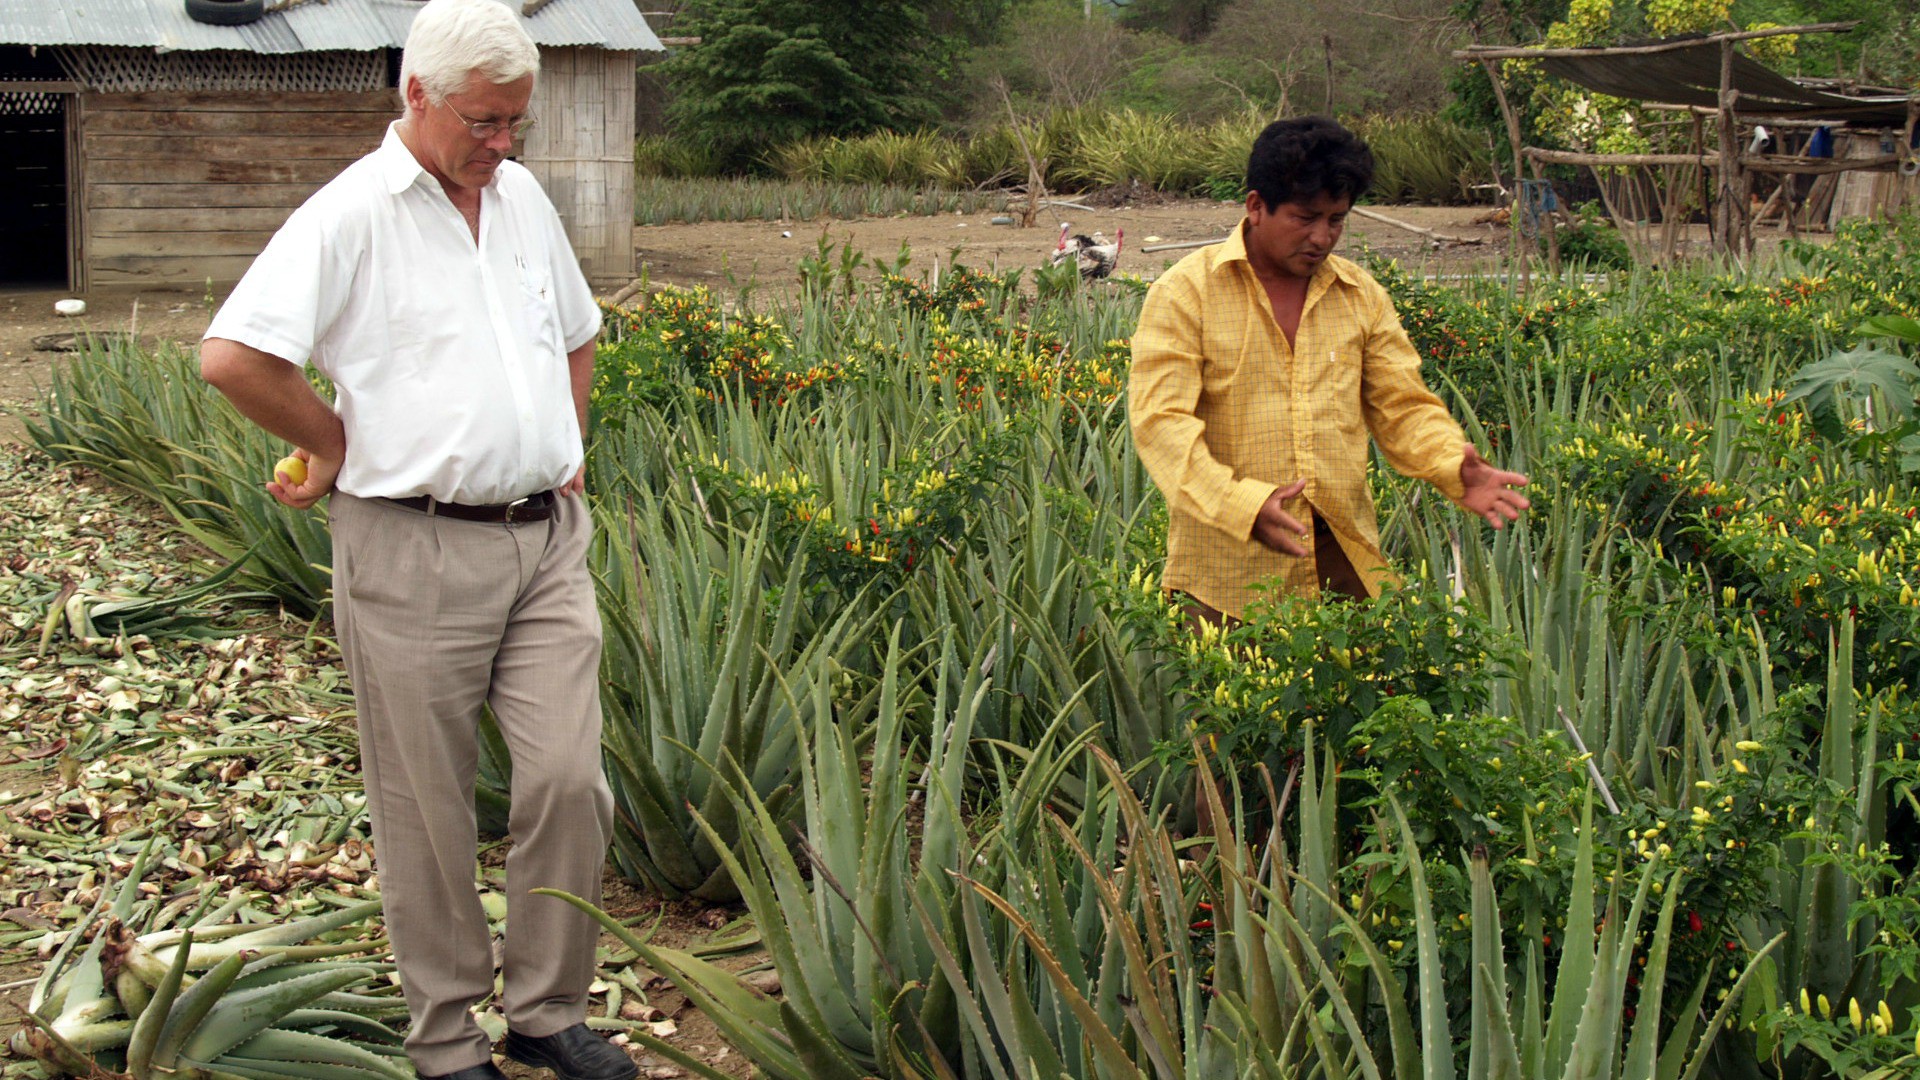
x,y
487,129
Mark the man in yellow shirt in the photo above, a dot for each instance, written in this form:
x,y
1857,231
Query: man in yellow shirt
x,y
1261,366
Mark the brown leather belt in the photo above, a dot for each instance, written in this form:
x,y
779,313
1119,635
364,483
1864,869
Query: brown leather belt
x,y
535,507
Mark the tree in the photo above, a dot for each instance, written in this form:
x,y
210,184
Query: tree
x,y
770,71
1188,20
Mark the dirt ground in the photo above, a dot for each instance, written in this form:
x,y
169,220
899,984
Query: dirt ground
x,y
728,255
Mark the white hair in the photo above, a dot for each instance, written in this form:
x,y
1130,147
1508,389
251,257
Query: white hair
x,y
453,40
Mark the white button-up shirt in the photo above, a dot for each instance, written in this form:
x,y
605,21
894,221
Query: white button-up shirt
x,y
448,358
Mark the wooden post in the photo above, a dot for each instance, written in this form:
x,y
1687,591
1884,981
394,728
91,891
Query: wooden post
x,y
1513,140
1326,42
78,197
1905,153
1553,233
1675,212
1729,214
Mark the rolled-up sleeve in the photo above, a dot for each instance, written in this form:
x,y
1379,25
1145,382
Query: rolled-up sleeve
x,y
1409,424
1163,392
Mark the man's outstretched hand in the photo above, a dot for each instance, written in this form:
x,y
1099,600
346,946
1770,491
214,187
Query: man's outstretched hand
x,y
1489,491
1278,529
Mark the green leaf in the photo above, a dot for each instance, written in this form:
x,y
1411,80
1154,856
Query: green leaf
x,y
1892,326
1850,378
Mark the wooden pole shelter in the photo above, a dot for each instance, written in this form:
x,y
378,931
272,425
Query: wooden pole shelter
x,y
1724,174
1524,52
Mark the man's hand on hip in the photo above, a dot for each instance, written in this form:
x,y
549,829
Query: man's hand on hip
x,y
1489,491
576,485
1278,529
321,473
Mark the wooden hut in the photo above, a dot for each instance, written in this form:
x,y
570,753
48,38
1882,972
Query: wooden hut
x,y
146,148
1863,163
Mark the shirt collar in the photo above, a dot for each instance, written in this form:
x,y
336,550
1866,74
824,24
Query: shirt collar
x,y
397,164
1234,249
400,168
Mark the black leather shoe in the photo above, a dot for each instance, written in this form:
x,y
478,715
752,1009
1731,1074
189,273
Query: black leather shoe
x,y
484,1071
575,1053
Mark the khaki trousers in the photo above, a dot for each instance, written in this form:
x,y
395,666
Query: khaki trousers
x,y
435,617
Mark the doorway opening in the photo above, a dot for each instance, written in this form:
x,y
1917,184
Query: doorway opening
x,y
33,188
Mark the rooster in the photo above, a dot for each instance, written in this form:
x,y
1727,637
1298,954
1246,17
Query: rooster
x,y
1092,254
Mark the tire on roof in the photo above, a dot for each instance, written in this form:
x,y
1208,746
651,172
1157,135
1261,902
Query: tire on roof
x,y
225,12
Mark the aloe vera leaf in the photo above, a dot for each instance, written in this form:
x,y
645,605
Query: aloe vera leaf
x,y
991,989
818,1050
1712,1030
1121,928
748,1021
1436,1041
1576,953
1492,1052
43,994
1597,1035
1502,1054
1673,1055
362,1027
192,1006
303,930
1641,1045
304,1047
1356,1033
1400,1031
248,1069
237,1016
1112,1055
146,1029
130,888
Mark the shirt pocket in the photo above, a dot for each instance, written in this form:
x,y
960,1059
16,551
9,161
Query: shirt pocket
x,y
1339,361
540,310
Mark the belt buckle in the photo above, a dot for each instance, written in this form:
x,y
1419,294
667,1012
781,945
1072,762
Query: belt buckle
x,y
515,505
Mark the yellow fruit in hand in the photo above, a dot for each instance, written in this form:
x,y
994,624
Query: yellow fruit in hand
x,y
295,468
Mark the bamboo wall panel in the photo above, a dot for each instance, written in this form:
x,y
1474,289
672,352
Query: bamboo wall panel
x,y
1853,196
581,151
1879,193
187,186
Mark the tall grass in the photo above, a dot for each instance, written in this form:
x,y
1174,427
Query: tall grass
x,y
1424,158
1419,158
659,200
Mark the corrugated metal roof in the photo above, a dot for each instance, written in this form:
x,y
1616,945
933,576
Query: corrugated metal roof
x,y
313,26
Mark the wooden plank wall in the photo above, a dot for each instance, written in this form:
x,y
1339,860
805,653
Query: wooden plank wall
x,y
185,186
1871,194
581,151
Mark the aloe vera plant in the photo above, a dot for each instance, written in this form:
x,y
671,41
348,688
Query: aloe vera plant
x,y
856,959
695,648
213,998
150,422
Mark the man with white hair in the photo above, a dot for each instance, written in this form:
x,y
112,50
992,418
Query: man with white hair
x,y
432,283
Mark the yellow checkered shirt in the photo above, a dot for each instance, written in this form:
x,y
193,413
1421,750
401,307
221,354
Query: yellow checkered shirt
x,y
1224,412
